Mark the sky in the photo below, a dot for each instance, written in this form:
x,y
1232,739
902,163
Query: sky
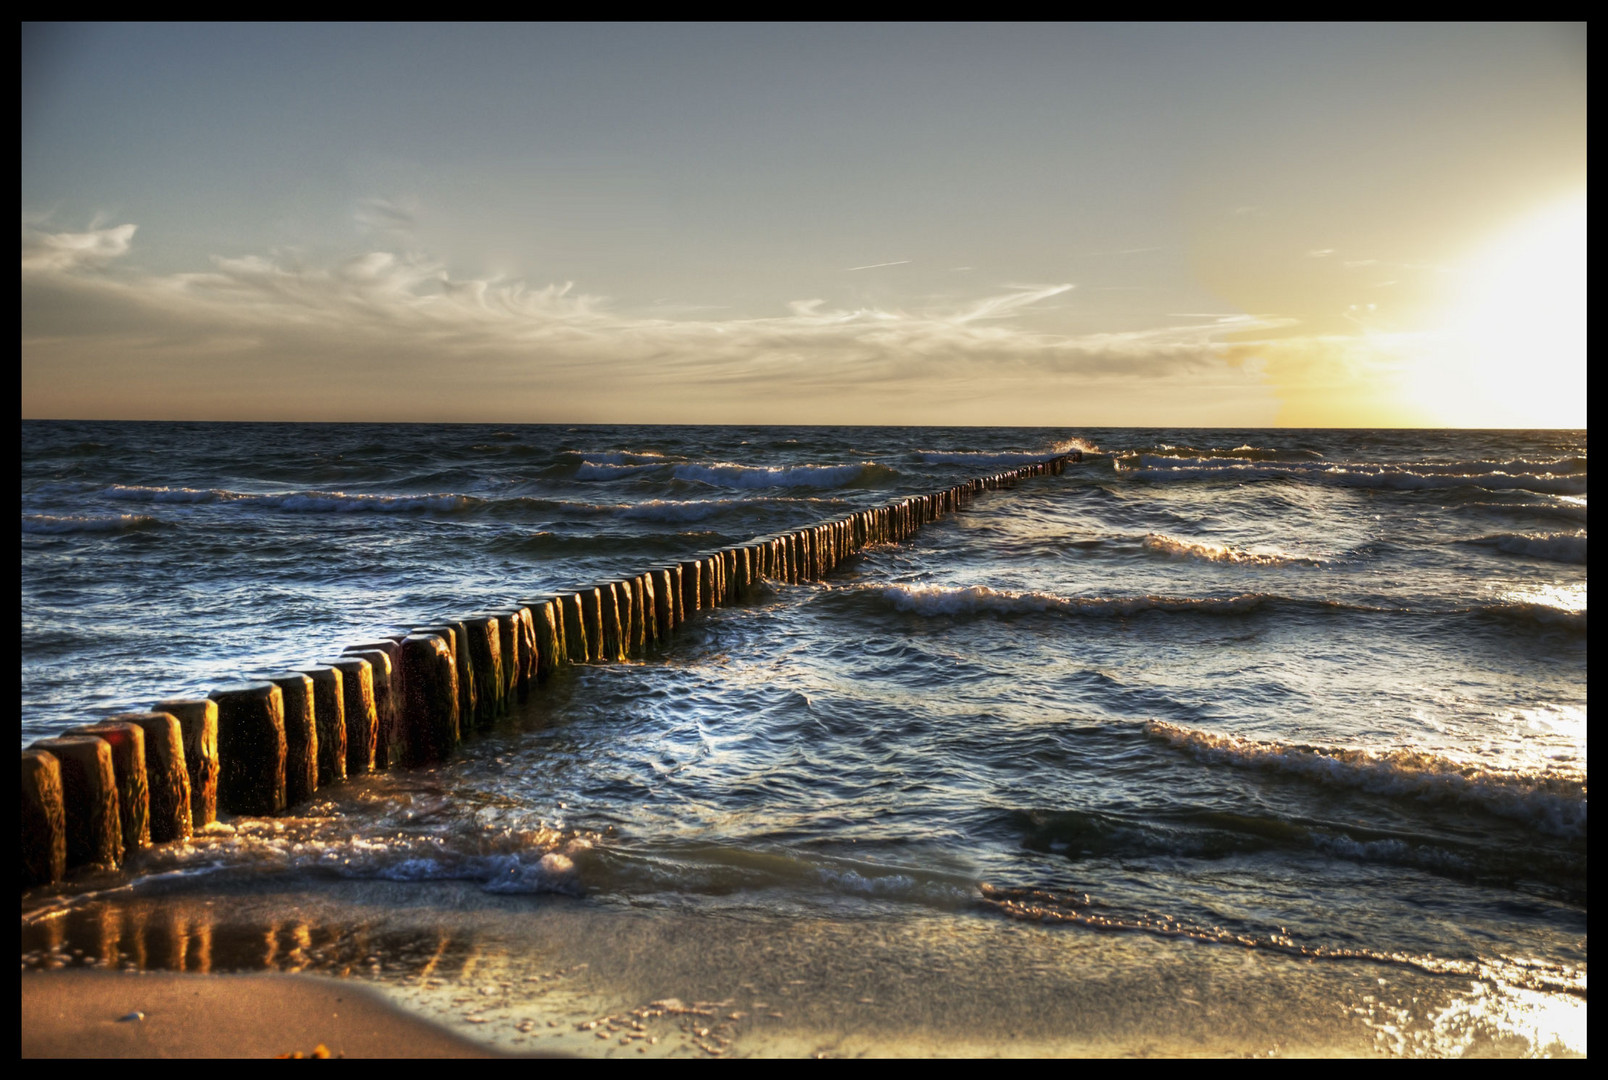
x,y
1064,224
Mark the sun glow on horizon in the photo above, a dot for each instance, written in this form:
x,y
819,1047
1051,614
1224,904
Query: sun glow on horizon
x,y
1512,353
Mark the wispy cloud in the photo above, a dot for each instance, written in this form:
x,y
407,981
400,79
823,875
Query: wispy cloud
x,y
61,252
873,266
384,216
398,333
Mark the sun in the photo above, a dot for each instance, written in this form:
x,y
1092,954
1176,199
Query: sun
x,y
1512,351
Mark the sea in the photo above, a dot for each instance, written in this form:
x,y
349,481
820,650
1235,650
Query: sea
x,y
1221,742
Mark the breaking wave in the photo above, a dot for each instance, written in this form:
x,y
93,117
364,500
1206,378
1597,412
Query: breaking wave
x,y
1553,547
980,599
1554,804
1224,553
1416,477
316,502
86,523
816,476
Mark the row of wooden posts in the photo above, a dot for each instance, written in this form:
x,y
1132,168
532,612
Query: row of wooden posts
x,y
97,793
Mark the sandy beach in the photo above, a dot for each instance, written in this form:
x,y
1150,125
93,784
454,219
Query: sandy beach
x,y
162,1015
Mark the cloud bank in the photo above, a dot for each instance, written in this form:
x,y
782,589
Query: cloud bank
x,y
383,335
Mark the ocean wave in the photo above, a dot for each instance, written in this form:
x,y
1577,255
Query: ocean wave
x,y
817,476
1244,452
86,523
980,599
1565,509
680,510
137,493
1553,804
1542,614
1388,477
1223,553
979,459
619,457
608,470
325,502
336,502
1552,547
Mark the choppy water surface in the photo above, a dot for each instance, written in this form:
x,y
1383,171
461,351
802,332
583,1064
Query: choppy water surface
x,y
1288,724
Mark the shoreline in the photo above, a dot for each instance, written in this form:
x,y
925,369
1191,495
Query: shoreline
x,y
446,969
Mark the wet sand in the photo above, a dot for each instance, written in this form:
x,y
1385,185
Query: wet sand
x,y
163,1015
446,969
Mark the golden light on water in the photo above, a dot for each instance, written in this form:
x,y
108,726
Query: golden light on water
x,y
1512,353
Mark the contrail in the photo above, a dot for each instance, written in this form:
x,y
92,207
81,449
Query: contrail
x,y
873,266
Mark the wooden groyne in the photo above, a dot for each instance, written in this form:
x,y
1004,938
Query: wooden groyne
x,y
98,793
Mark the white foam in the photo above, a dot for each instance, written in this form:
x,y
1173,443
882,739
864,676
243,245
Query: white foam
x,y
1223,553
336,502
85,523
623,457
1391,477
136,493
980,599
745,476
595,470
1552,803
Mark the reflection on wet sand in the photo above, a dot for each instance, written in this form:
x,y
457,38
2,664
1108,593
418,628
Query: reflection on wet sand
x,y
562,975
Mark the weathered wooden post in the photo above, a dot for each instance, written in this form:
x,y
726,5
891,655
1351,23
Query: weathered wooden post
x,y
593,611
430,710
251,747
673,595
387,696
529,658
198,719
89,799
575,628
456,635
301,735
648,593
360,712
133,792
613,630
329,711
510,636
166,778
547,621
691,587
706,583
44,820
484,634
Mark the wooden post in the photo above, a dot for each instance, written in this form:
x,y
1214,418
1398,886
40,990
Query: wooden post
x,y
575,628
485,664
430,710
166,778
301,736
329,711
89,799
133,791
198,719
44,820
361,714
251,747
387,697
